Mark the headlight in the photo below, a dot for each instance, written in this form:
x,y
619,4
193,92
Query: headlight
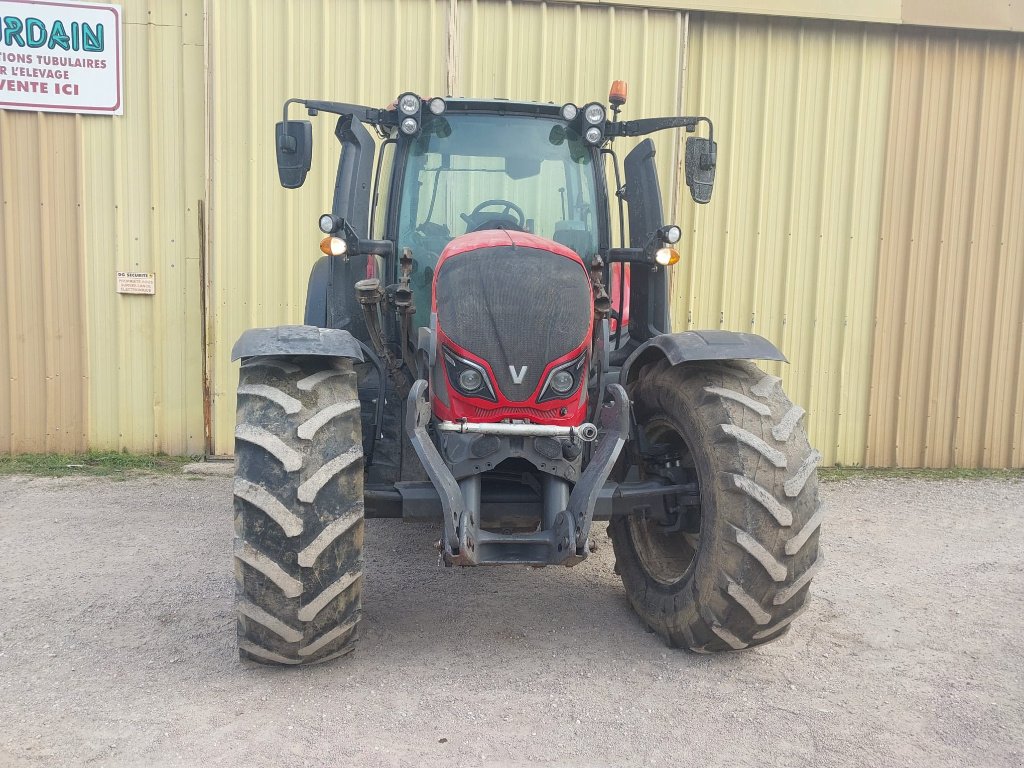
x,y
409,103
593,113
569,112
470,380
409,126
564,380
593,135
467,377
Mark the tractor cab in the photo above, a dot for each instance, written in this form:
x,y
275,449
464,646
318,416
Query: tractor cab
x,y
471,169
450,167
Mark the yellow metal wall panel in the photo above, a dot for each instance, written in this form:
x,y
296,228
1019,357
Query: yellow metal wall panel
x,y
948,369
42,333
1005,15
787,247
142,184
264,239
888,11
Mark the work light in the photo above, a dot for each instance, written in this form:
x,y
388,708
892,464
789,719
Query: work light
x,y
593,113
327,224
569,112
409,103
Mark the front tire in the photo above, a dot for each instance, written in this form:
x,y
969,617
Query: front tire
x,y
298,497
735,572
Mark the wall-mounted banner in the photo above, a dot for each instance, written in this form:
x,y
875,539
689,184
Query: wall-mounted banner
x,y
60,57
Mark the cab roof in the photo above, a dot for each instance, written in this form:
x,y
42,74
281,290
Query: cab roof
x,y
464,104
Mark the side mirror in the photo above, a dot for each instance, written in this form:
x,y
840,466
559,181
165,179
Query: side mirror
x,y
701,159
293,141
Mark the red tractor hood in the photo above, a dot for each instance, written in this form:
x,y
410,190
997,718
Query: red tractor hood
x,y
519,309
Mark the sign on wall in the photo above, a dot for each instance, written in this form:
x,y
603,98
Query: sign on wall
x,y
60,57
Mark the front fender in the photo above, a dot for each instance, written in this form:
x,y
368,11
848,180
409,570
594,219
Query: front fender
x,y
699,345
297,340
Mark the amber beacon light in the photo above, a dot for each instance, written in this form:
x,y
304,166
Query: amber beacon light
x,y
617,94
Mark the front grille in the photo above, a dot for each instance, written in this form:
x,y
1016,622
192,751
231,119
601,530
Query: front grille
x,y
539,313
538,415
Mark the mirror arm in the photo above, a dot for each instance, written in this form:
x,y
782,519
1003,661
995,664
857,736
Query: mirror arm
x,y
628,256
285,119
362,113
359,245
648,125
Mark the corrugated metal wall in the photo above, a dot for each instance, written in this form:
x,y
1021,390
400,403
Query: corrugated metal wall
x,y
948,370
142,187
787,248
43,365
84,197
863,219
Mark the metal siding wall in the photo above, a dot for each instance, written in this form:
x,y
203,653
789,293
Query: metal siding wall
x,y
948,371
787,248
264,239
80,365
42,355
142,186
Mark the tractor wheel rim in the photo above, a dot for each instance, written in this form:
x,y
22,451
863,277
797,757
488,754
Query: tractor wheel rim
x,y
667,557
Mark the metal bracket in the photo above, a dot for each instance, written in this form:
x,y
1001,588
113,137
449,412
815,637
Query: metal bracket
x,y
614,422
417,417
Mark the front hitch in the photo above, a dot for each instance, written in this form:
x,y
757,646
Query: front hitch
x,y
566,516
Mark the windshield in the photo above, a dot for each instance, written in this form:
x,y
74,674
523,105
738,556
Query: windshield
x,y
468,172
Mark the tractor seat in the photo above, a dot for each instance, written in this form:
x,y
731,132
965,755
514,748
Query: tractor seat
x,y
572,235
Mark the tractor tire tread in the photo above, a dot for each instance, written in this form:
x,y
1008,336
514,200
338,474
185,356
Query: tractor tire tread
x,y
758,546
298,498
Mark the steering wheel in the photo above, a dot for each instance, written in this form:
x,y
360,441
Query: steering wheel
x,y
504,217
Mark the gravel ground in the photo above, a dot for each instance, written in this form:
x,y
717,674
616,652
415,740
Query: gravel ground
x,y
117,646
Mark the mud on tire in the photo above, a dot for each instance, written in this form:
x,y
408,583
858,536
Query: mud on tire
x,y
298,499
743,577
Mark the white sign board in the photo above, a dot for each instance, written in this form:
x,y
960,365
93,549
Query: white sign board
x,y
136,282
60,57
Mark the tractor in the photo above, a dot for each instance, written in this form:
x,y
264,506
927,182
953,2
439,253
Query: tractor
x,y
483,347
